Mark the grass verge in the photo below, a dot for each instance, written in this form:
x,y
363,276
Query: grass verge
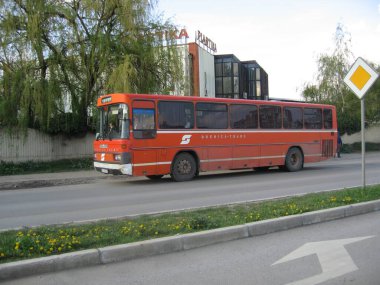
x,y
49,240
10,168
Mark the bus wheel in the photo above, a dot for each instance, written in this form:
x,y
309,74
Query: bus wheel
x,y
294,160
184,167
154,177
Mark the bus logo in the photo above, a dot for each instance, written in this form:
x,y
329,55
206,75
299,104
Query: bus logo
x,y
186,139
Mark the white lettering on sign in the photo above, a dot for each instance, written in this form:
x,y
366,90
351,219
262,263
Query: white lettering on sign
x,y
208,43
334,259
186,139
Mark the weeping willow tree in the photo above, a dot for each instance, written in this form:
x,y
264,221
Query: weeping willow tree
x,y
58,56
331,89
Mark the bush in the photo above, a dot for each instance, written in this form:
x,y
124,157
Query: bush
x,y
357,147
10,168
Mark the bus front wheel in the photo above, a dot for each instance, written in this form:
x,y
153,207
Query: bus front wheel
x,y
294,160
184,167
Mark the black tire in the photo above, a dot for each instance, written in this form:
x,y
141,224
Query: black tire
x,y
154,177
184,167
294,160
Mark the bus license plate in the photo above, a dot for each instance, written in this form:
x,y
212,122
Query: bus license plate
x,y
105,171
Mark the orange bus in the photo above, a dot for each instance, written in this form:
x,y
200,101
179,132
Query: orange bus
x,y
156,135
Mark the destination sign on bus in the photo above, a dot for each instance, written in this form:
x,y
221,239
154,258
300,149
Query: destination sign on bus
x,y
106,100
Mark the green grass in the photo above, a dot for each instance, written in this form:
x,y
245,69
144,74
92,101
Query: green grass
x,y
10,168
50,240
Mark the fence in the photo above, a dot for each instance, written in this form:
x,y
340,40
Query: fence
x,y
372,135
37,146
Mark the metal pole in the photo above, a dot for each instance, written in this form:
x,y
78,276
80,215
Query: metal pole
x,y
363,140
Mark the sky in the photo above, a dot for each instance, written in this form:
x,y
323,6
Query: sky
x,y
284,36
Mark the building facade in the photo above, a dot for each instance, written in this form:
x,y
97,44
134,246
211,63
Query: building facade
x,y
239,79
221,76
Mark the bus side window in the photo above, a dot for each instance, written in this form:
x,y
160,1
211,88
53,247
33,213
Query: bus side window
x,y
270,117
293,118
327,119
212,116
243,116
312,118
175,115
143,123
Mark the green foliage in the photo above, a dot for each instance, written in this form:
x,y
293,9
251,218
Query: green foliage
x,y
331,89
357,147
57,57
10,168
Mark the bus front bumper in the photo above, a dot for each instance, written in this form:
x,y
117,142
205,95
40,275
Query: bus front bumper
x,y
116,169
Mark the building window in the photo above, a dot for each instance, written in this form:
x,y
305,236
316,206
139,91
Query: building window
x,y
218,69
227,85
227,69
219,85
236,69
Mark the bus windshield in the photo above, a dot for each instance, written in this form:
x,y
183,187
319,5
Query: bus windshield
x,y
113,122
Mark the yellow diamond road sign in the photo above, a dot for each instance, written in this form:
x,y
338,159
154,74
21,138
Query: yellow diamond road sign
x,y
360,77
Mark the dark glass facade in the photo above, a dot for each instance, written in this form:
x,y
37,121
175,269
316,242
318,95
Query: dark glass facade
x,y
239,79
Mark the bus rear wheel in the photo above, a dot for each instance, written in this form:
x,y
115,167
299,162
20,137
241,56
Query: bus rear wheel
x,y
184,167
294,160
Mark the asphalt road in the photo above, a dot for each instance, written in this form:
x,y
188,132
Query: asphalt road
x,y
120,196
339,252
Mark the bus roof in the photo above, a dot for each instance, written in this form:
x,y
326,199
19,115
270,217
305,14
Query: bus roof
x,y
123,97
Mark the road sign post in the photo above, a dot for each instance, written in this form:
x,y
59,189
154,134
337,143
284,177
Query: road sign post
x,y
360,78
362,107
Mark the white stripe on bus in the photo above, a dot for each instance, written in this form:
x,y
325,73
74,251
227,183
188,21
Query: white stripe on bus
x,y
222,159
189,131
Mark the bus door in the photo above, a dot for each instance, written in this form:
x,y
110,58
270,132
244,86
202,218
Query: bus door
x,y
144,153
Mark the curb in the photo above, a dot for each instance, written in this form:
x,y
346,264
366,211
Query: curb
x,y
177,243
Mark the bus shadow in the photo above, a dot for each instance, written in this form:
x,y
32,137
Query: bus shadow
x,y
239,173
225,174
203,176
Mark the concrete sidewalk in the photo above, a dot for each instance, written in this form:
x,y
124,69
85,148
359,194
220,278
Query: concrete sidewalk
x,y
49,179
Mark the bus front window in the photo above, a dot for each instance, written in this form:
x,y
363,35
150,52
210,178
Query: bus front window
x,y
114,122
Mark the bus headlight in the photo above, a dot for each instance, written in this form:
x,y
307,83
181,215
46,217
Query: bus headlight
x,y
117,157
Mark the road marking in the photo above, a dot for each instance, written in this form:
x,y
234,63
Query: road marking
x,y
334,259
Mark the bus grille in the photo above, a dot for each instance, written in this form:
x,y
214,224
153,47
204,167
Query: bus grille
x,y
327,148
